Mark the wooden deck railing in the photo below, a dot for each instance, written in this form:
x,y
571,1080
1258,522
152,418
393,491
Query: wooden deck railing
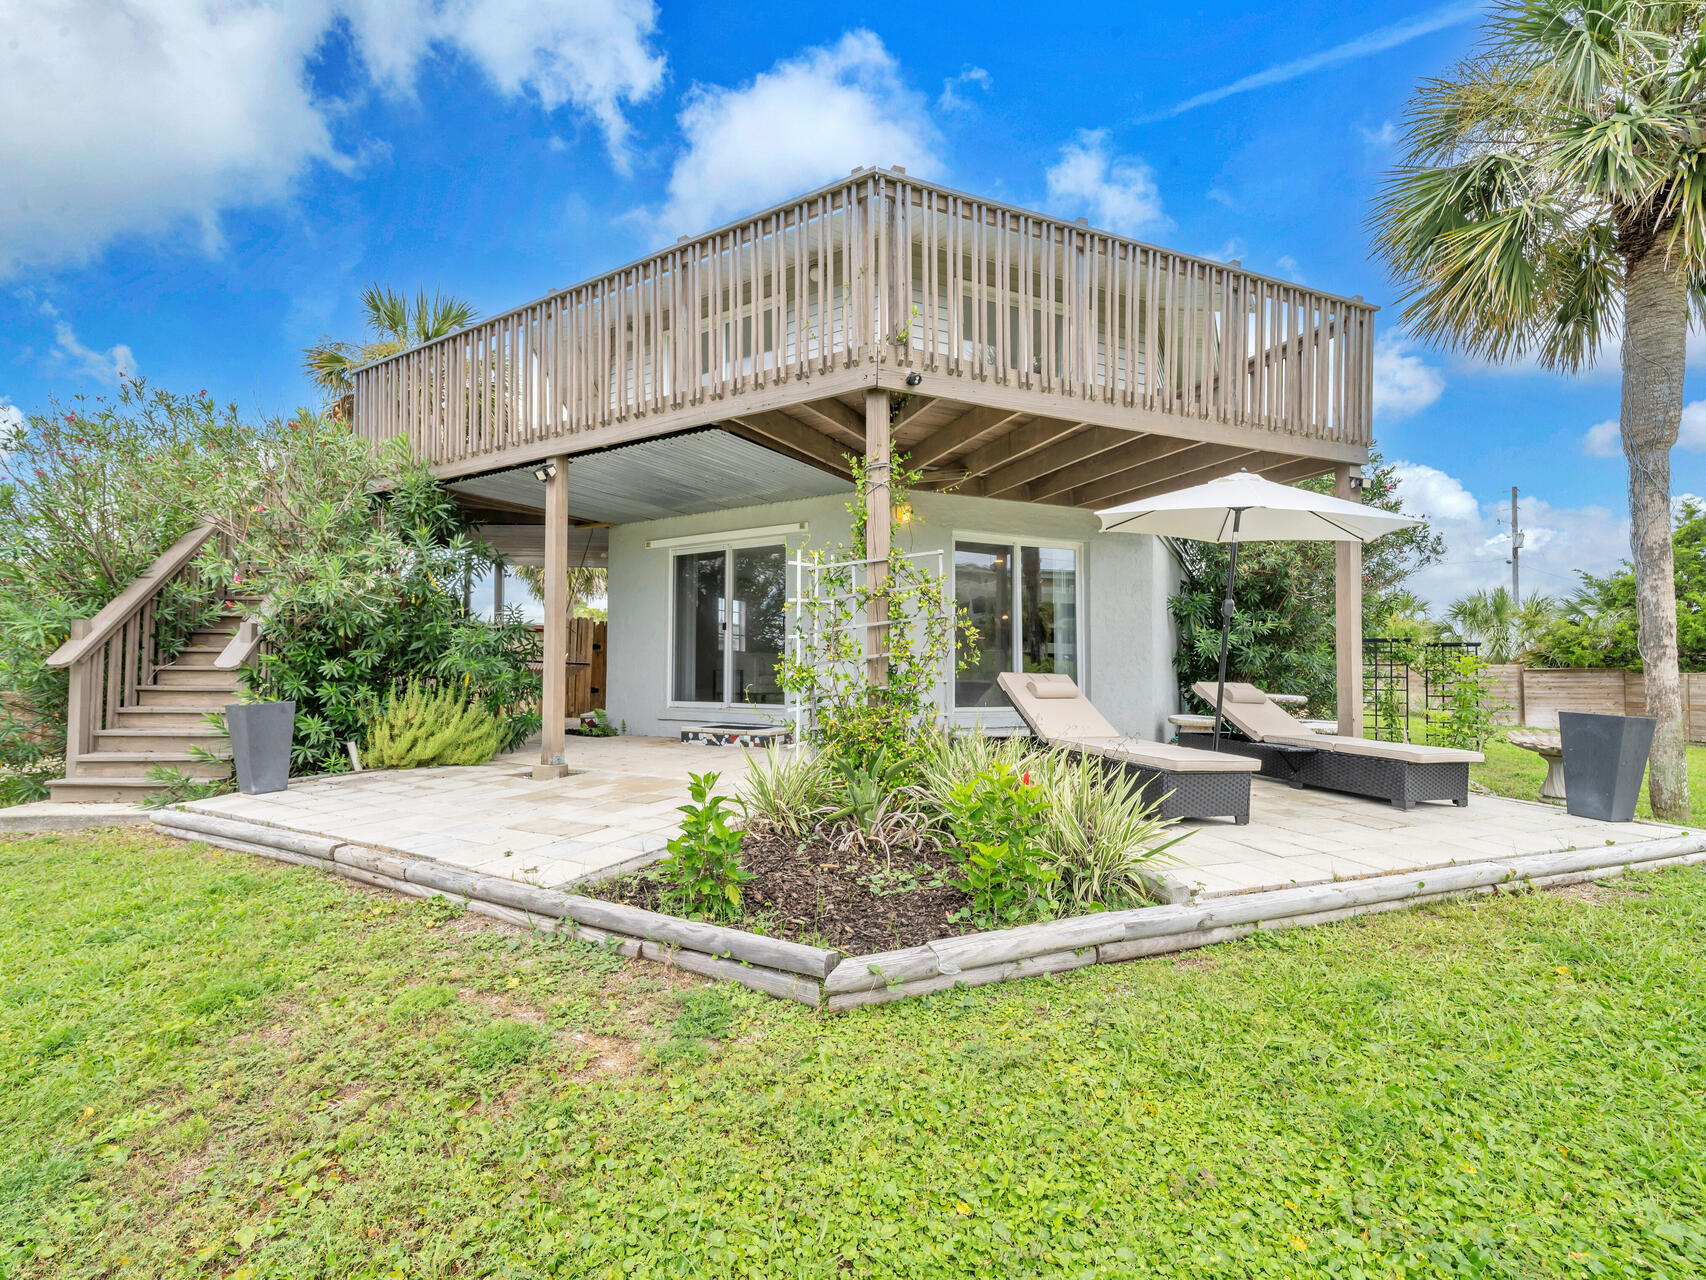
x,y
881,270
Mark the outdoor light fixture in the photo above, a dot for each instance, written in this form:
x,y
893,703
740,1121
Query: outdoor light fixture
x,y
1356,484
914,378
903,513
545,472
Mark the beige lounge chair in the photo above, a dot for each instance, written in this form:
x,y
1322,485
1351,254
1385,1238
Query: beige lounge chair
x,y
1191,784
1402,772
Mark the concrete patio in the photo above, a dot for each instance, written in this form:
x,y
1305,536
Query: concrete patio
x,y
614,813
618,809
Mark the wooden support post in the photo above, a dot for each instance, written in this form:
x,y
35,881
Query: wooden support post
x,y
80,704
877,516
554,707
1347,614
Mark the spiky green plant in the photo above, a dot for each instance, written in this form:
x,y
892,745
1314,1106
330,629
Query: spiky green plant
x,y
395,323
419,726
1102,834
1552,194
785,791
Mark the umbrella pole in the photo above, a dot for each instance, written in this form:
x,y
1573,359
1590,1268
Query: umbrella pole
x,y
1226,624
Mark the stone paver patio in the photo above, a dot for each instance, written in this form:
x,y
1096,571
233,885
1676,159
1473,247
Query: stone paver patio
x,y
614,814
619,809
1299,837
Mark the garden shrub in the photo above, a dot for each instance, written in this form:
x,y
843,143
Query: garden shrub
x,y
1101,832
361,556
786,791
702,874
417,727
997,820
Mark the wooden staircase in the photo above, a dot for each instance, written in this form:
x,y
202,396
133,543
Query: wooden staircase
x,y
128,712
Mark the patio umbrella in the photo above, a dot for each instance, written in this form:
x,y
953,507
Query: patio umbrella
x,y
1247,508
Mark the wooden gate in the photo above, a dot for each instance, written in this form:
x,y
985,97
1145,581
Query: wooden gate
x,y
585,666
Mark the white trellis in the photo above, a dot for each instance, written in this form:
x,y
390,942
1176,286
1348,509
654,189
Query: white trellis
x,y
820,585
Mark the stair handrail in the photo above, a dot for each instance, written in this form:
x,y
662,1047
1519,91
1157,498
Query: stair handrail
x,y
245,640
122,607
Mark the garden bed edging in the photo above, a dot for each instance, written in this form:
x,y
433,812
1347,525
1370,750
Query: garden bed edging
x,y
818,977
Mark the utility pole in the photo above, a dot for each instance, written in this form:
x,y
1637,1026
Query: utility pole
x,y
1516,552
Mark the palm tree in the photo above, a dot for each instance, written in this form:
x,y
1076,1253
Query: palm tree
x,y
1506,628
1554,188
396,325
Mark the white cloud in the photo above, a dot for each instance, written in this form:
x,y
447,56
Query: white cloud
x,y
1557,541
1692,435
11,418
808,119
1115,192
1381,139
1404,383
154,117
1287,267
950,99
1603,440
114,365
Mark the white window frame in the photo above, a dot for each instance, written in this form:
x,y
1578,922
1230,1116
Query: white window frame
x,y
728,544
1081,582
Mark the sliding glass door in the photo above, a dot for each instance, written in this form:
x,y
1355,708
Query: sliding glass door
x,y
730,623
1020,603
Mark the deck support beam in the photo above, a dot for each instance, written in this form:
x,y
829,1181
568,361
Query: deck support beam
x,y
1347,613
878,453
554,704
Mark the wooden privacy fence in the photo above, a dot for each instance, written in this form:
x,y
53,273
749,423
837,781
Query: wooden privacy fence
x,y
1535,696
586,665
883,270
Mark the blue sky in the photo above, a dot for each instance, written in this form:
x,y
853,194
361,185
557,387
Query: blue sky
x,y
195,189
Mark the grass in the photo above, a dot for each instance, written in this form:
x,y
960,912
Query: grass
x,y
218,1066
1513,771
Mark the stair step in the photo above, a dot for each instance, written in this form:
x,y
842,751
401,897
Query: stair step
x,y
160,719
214,637
206,697
199,677
133,764
160,739
102,790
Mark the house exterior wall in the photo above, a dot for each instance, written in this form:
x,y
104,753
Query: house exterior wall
x,y
1127,636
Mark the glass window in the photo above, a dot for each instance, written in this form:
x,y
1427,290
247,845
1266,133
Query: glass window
x,y
699,634
1023,602
1048,592
983,587
730,625
757,621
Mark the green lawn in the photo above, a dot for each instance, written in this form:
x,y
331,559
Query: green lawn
x,y
1511,771
214,1065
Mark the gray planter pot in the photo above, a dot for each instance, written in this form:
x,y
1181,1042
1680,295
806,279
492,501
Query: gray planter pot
x,y
260,744
1605,758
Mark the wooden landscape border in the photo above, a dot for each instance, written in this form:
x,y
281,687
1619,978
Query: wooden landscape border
x,y
822,978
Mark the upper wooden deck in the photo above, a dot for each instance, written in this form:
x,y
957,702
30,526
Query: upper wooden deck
x,y
1049,353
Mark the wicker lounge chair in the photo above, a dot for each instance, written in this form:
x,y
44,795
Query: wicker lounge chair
x,y
1191,784
1401,772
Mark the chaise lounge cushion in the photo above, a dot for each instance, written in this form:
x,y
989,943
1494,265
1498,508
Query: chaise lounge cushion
x,y
1266,721
1057,711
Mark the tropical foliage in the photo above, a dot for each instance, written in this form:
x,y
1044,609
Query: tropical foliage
x,y
394,323
1597,626
1282,632
1504,627
1553,195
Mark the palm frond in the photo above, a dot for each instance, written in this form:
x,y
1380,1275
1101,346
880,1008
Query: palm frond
x,y
328,364
387,312
441,316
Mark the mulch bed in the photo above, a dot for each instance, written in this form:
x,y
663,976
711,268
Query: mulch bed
x,y
817,892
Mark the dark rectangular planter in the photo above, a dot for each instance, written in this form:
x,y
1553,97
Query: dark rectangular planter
x,y
260,744
1605,758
